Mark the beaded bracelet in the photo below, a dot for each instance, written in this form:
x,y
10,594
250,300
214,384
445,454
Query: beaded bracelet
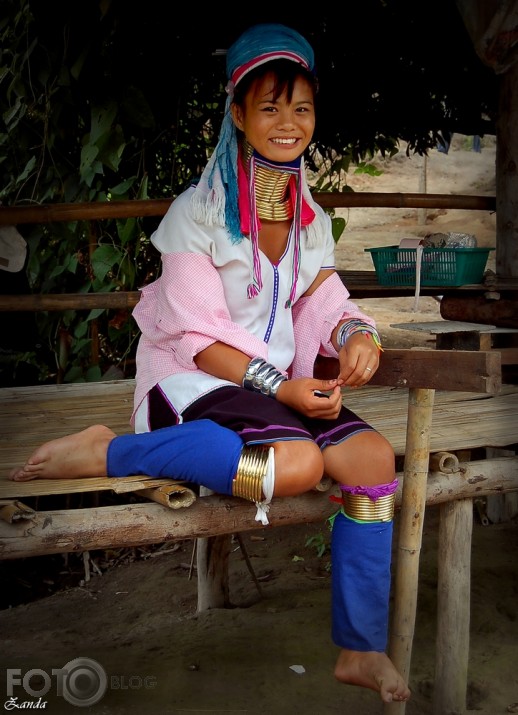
x,y
261,376
357,326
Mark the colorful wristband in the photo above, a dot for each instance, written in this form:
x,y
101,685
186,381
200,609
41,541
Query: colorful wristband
x,y
357,326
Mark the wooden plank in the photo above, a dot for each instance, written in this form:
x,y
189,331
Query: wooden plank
x,y
41,487
459,370
437,369
508,356
35,302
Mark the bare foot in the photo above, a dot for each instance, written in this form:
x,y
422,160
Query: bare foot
x,y
372,670
82,454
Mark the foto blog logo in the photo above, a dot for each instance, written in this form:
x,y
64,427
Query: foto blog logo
x,y
81,682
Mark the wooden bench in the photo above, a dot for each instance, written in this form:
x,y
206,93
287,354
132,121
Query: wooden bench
x,y
424,401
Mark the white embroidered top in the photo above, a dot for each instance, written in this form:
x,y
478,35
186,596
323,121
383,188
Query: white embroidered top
x,y
201,298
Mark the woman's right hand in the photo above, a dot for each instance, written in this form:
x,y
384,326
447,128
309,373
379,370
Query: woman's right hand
x,y
319,399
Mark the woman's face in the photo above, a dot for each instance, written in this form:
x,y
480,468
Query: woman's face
x,y
279,130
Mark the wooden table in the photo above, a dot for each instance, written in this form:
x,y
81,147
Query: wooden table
x,y
458,335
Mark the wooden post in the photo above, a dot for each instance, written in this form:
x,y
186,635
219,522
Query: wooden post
x,y
212,554
501,507
453,607
413,502
423,189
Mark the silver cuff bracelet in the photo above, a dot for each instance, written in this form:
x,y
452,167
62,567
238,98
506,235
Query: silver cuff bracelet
x,y
261,376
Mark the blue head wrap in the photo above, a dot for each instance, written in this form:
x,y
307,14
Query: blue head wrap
x,y
263,43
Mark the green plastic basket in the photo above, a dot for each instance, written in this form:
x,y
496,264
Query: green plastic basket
x,y
396,266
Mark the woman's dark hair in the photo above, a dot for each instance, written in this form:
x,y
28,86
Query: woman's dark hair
x,y
285,72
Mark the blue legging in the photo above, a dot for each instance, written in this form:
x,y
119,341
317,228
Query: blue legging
x,y
360,577
200,452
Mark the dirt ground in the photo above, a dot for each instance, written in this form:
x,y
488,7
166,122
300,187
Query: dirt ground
x,y
270,654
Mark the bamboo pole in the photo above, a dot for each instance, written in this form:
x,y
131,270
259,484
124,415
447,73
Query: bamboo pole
x,y
12,510
453,607
444,462
413,501
174,496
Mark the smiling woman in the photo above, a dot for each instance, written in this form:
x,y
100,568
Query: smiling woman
x,y
247,298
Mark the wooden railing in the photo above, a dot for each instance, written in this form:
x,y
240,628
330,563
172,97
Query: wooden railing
x,y
11,215
361,284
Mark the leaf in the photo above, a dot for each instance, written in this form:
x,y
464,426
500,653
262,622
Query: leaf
x,y
94,374
120,191
94,314
338,225
81,330
102,119
104,258
143,190
89,165
112,146
16,109
28,169
127,230
75,374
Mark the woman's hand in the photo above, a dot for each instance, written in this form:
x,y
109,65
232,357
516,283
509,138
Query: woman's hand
x,y
359,360
320,399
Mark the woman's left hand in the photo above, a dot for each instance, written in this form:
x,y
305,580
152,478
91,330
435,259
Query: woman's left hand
x,y
359,360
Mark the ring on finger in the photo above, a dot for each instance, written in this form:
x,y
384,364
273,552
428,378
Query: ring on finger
x,y
369,369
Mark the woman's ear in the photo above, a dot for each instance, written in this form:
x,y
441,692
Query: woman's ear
x,y
237,115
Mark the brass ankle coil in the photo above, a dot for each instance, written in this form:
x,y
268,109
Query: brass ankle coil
x,y
251,470
361,507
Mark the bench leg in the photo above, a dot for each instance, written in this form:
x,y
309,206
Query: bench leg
x,y
212,555
453,607
413,503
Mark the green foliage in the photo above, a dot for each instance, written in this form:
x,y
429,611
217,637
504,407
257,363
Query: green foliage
x,y
321,545
368,169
